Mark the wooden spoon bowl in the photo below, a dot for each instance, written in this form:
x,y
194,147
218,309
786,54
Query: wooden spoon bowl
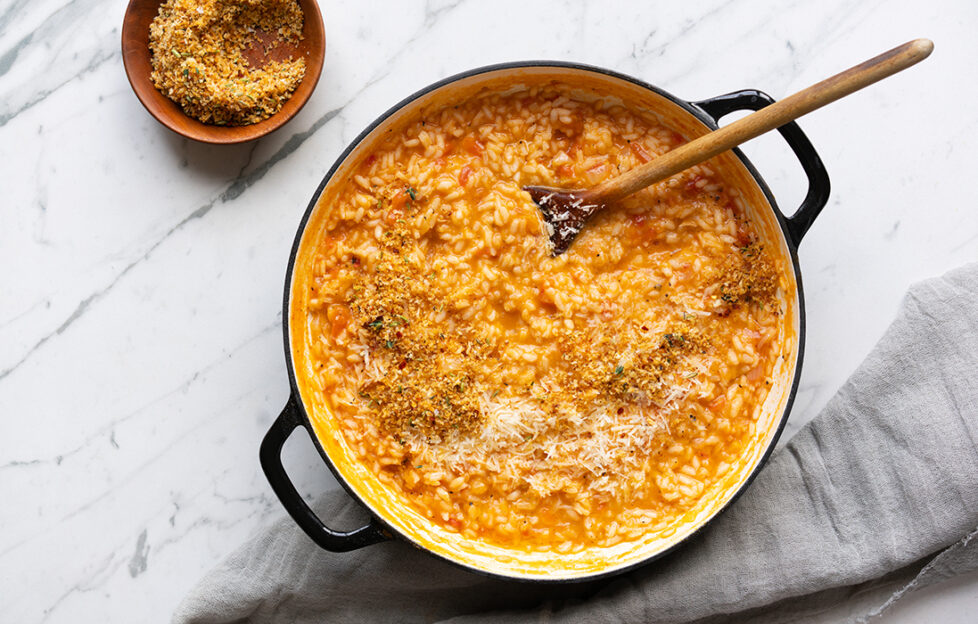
x,y
136,57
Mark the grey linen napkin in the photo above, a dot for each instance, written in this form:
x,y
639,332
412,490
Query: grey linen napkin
x,y
876,497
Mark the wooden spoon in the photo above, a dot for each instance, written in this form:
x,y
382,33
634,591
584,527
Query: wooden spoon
x,y
566,211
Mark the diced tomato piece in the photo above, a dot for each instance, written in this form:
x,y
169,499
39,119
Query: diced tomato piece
x,y
565,171
472,145
597,173
400,199
463,175
339,318
755,374
643,227
640,153
743,236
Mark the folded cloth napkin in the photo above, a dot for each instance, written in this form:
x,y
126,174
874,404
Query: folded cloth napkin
x,y
876,497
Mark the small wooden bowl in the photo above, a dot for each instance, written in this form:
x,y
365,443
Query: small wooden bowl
x,y
136,57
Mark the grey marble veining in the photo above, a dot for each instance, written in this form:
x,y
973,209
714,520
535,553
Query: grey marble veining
x,y
141,356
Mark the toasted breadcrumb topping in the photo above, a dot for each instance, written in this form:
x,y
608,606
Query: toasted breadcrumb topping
x,y
199,58
439,370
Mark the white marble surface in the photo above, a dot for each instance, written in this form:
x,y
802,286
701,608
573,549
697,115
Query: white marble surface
x,y
141,355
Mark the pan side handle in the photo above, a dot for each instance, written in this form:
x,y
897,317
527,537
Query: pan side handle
x,y
271,462
818,178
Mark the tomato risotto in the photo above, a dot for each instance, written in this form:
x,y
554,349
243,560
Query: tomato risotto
x,y
533,402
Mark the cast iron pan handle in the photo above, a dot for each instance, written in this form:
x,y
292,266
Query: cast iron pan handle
x,y
818,178
271,463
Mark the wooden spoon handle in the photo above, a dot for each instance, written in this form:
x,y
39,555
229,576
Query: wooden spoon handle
x,y
764,120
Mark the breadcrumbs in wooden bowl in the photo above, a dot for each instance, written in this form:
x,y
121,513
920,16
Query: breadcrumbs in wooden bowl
x,y
199,57
223,71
